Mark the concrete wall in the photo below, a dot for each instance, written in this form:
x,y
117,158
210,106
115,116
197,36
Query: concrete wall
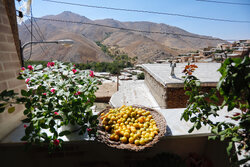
x,y
9,64
94,154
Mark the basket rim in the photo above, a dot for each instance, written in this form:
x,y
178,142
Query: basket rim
x,y
160,120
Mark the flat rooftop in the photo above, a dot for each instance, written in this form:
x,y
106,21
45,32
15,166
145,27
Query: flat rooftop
x,y
206,72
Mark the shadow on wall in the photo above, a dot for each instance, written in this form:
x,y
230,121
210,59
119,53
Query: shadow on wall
x,y
94,154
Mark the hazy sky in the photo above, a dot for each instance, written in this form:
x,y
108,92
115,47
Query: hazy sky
x,y
224,30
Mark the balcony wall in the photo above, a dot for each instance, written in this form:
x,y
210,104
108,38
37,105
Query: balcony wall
x,y
94,154
9,63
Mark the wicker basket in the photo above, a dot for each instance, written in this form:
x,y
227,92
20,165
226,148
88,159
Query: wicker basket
x,y
103,136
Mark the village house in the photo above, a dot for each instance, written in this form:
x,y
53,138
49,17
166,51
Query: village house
x,y
223,46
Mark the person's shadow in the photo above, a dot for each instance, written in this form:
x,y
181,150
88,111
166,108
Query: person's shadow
x,y
168,131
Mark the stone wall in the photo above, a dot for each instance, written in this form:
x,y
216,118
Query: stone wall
x,y
156,89
10,64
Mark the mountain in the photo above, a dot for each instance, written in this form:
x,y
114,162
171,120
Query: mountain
x,y
145,46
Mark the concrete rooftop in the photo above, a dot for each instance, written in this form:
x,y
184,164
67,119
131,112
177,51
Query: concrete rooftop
x,y
133,93
206,72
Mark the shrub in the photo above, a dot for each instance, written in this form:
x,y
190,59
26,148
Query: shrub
x,y
140,76
58,95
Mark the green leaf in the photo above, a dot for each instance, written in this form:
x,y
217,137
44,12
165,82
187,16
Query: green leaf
x,y
212,137
10,93
11,109
191,129
26,120
64,133
235,139
215,130
198,125
25,112
2,109
229,148
185,116
24,93
25,138
21,100
20,77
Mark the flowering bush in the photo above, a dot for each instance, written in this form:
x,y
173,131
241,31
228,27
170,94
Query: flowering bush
x,y
57,96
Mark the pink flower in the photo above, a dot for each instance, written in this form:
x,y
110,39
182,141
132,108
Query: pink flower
x,y
56,113
74,71
25,126
22,69
56,142
91,73
27,81
74,65
50,64
89,129
53,90
44,94
30,67
77,93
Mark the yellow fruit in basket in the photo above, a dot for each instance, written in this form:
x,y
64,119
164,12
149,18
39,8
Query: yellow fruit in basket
x,y
147,119
123,139
152,134
117,132
116,137
128,124
146,125
146,135
136,136
112,137
142,141
131,140
104,122
137,142
126,134
141,119
155,132
127,130
133,130
125,116
107,128
141,125
133,114
136,125
121,133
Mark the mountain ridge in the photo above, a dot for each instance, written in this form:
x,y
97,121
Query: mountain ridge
x,y
146,46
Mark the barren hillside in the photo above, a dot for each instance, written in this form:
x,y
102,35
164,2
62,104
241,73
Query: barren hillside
x,y
145,46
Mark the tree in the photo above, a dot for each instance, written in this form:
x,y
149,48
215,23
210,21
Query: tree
x,y
234,87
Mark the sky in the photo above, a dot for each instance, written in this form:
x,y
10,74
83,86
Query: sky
x,y
223,30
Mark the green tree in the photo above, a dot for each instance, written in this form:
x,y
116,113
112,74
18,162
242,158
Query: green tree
x,y
234,87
